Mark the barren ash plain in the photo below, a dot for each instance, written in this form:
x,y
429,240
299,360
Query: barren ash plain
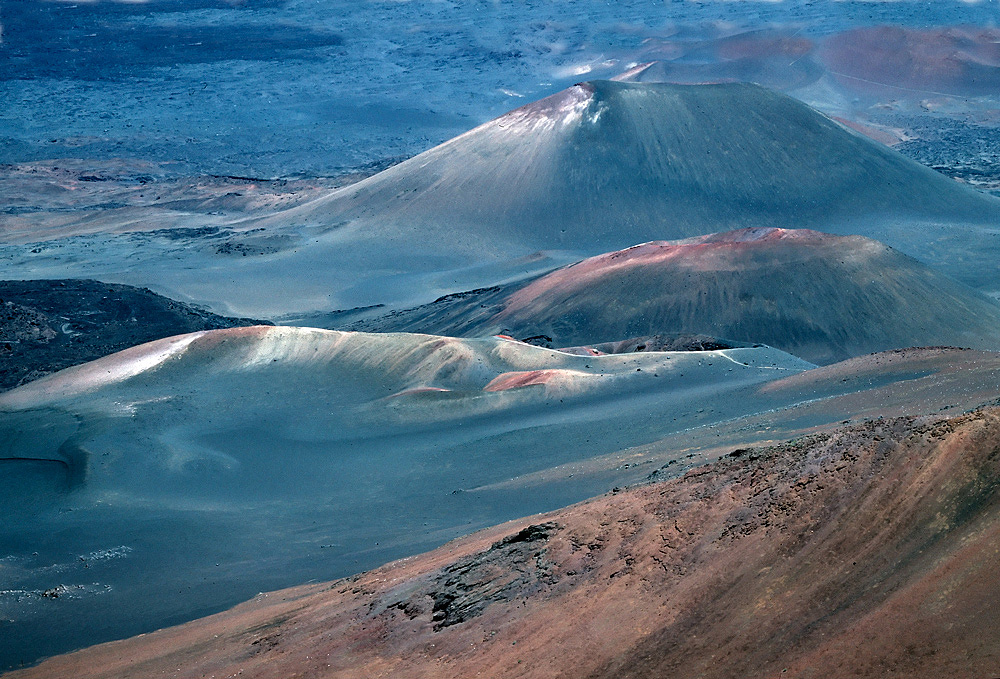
x,y
428,338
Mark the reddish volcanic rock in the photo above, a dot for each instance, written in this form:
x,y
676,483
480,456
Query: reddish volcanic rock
x,y
870,551
775,58
701,252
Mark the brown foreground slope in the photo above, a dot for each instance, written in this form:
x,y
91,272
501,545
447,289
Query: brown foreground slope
x,y
871,551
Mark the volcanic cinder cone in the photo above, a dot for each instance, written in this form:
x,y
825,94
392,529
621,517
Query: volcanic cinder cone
x,y
818,296
824,298
612,163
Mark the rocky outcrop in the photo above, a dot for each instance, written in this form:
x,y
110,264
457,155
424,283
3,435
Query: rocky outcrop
x,y
48,325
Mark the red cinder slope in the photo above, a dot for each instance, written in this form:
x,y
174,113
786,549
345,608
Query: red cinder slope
x,y
818,296
916,63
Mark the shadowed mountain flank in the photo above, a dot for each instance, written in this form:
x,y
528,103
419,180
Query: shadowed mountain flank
x,y
822,297
868,551
48,325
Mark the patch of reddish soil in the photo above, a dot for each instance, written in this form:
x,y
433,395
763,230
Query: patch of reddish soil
x,y
881,135
951,60
524,378
871,551
701,252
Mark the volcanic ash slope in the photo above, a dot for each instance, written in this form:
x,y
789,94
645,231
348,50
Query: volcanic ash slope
x,y
604,162
868,552
212,466
818,296
604,165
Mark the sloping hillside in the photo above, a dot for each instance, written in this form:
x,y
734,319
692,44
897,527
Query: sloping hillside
x,y
868,552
